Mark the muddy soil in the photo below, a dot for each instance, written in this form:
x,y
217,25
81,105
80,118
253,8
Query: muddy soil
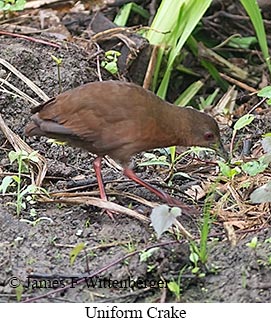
x,y
39,246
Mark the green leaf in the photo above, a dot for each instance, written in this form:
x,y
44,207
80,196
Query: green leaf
x,y
153,160
194,258
57,60
209,100
174,287
19,291
17,179
195,270
12,155
18,5
75,252
56,142
173,23
253,243
7,7
33,157
227,171
254,167
188,94
7,180
124,13
111,67
253,10
245,120
110,61
30,189
242,42
265,92
177,174
145,255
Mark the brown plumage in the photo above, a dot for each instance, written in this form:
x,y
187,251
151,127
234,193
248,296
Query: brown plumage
x,y
120,119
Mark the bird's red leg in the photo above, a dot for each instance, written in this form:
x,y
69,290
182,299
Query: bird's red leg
x,y
162,195
97,164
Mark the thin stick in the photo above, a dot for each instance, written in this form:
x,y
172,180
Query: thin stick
x,y
26,80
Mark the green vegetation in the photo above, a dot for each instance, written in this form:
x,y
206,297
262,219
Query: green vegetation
x,y
172,26
12,5
23,193
75,252
110,61
199,252
175,286
58,62
253,243
254,13
122,17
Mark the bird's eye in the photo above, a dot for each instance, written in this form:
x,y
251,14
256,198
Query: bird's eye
x,y
209,136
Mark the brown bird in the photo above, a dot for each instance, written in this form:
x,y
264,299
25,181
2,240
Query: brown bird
x,y
120,119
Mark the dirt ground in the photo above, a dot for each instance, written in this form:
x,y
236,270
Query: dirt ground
x,y
42,248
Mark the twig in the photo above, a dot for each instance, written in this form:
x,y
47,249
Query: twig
x,y
19,144
26,80
84,278
238,83
19,92
36,40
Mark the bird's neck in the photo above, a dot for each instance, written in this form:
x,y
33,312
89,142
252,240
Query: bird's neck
x,y
175,126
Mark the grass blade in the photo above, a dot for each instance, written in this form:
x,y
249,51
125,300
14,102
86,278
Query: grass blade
x,y
253,10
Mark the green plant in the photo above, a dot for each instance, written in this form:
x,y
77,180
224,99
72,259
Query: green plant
x,y
251,168
22,158
169,158
253,244
58,62
265,93
241,123
228,171
12,5
19,292
187,95
110,61
151,267
209,100
130,246
199,252
244,278
253,10
145,255
124,13
255,167
38,220
175,286
263,193
75,252
173,24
